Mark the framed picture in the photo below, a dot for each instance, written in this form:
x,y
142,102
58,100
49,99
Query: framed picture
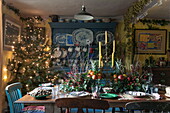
x,y
12,32
150,41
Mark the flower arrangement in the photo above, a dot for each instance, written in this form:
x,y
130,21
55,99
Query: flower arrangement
x,y
132,81
125,82
81,81
75,81
120,81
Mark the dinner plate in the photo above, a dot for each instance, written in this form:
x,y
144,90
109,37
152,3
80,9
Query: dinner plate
x,y
78,94
137,94
108,95
167,95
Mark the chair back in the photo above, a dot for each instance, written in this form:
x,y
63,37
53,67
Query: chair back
x,y
81,103
13,93
151,106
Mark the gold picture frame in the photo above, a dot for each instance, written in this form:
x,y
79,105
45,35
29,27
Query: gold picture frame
x,y
150,41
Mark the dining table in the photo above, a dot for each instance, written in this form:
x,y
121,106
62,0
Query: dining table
x,y
50,106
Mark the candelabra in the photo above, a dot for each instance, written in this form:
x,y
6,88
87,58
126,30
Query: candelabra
x,y
105,59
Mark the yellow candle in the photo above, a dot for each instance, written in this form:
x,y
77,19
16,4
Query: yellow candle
x,y
100,53
113,46
112,59
106,37
101,63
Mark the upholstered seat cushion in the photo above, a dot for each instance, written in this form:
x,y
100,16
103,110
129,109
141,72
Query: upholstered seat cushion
x,y
33,109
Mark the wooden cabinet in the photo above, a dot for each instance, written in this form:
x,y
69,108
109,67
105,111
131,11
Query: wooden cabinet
x,y
161,75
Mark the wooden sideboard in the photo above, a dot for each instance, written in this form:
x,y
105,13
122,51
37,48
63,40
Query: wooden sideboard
x,y
161,75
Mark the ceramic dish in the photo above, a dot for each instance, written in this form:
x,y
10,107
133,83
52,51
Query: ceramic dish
x,y
60,38
41,92
107,89
82,36
78,94
167,95
46,85
40,97
100,36
57,53
137,94
108,95
64,53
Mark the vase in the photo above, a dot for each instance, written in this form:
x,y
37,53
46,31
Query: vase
x,y
54,18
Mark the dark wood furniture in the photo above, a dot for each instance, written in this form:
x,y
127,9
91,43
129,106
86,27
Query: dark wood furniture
x,y
52,108
60,30
81,103
149,106
161,75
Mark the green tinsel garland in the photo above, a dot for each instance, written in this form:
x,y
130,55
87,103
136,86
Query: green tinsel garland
x,y
151,22
17,12
132,13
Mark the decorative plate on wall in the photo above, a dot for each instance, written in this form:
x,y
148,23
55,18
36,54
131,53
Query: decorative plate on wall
x,y
64,53
57,52
60,38
82,36
100,36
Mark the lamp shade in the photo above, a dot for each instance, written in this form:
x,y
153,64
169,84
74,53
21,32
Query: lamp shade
x,y
83,15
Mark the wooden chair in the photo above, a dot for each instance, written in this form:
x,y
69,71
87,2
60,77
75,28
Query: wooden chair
x,y
81,103
148,106
13,93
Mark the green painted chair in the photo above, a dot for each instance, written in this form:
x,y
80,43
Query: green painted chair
x,y
13,93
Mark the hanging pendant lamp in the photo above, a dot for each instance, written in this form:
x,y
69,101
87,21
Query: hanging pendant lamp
x,y
83,15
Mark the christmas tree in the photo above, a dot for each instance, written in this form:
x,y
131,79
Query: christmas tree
x,y
31,57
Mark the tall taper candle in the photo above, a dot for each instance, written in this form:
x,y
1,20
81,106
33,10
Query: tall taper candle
x,y
100,53
112,59
113,46
106,37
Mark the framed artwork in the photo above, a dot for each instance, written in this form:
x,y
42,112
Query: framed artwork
x,y
12,32
150,41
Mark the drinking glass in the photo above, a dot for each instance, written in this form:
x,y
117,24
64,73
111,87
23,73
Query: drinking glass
x,y
95,90
55,90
